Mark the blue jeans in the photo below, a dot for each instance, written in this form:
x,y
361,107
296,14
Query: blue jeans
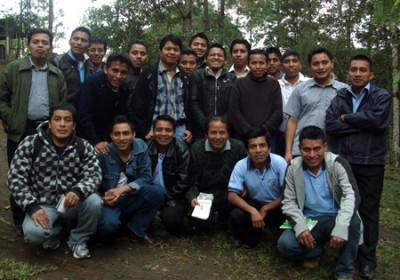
x,y
138,208
290,248
87,212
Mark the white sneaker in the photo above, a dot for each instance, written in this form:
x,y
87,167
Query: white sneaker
x,y
80,252
51,244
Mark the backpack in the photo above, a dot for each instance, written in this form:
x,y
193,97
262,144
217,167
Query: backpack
x,y
38,145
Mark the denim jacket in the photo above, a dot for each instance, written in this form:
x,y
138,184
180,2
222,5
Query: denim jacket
x,y
137,169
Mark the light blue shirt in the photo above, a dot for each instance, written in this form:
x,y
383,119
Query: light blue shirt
x,y
319,199
263,187
80,65
357,99
158,177
38,104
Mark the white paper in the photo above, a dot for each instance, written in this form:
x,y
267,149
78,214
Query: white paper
x,y
60,205
202,211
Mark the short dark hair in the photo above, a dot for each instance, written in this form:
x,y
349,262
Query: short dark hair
x,y
99,41
256,132
199,35
64,106
217,119
82,29
120,57
319,50
122,119
312,132
171,38
164,118
188,52
218,46
290,52
240,42
364,58
136,42
38,31
274,50
256,51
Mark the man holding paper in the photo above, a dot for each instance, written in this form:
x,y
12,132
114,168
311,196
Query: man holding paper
x,y
320,186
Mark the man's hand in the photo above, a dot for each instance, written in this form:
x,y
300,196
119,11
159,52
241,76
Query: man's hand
x,y
337,242
40,218
102,147
188,136
194,202
306,239
71,199
149,135
288,157
263,211
257,219
112,195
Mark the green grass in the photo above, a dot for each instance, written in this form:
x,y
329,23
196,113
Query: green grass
x,y
17,270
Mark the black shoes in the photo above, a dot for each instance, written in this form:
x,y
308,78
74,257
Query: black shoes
x,y
145,240
367,273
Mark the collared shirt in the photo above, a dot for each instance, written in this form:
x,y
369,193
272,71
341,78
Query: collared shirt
x,y
170,95
80,65
211,72
38,104
357,99
319,199
208,147
158,177
242,74
263,187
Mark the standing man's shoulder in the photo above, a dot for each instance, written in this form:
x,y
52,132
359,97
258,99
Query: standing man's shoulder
x,y
338,85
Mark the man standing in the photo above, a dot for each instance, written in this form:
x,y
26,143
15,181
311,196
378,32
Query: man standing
x,y
212,161
209,90
240,49
74,66
55,167
127,190
261,174
188,61
96,52
137,52
274,62
170,167
256,100
309,101
162,89
357,119
28,87
102,97
199,44
320,186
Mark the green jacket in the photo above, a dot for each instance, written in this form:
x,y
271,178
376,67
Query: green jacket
x,y
15,86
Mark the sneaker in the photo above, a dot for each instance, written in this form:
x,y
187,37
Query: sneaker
x,y
367,272
311,263
80,252
51,244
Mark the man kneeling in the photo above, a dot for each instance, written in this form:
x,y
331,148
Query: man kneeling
x,y
320,186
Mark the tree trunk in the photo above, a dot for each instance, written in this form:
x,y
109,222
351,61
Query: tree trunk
x,y
187,16
206,19
51,15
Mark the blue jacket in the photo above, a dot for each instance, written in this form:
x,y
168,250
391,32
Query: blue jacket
x,y
137,169
361,138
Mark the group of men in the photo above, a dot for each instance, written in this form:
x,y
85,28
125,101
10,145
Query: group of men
x,y
112,144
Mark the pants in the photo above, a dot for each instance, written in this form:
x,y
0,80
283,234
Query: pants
x,y
87,212
172,215
290,248
370,184
137,208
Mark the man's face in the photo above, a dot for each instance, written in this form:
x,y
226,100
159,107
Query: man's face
x,y
273,64
170,53
321,66
122,136
217,135
116,73
312,151
215,59
164,133
79,42
239,55
258,150
96,53
359,74
61,125
199,46
291,66
39,47
138,55
188,63
258,65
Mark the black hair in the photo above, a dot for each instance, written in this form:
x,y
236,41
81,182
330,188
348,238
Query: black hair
x,y
136,42
38,31
364,58
119,119
120,57
312,132
256,132
164,118
199,35
274,50
171,38
256,51
216,45
290,52
64,106
217,119
240,42
319,50
82,29
188,52
98,41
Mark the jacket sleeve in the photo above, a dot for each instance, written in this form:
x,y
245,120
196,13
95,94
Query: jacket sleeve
x,y
182,183
195,179
272,124
143,164
5,95
196,91
235,115
63,93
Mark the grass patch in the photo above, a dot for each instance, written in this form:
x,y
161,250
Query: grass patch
x,y
17,270
390,207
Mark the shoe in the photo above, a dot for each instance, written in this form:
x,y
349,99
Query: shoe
x,y
80,252
367,273
18,230
234,241
145,240
311,263
51,244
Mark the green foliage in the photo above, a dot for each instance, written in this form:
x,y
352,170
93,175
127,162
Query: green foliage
x,y
387,10
17,270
